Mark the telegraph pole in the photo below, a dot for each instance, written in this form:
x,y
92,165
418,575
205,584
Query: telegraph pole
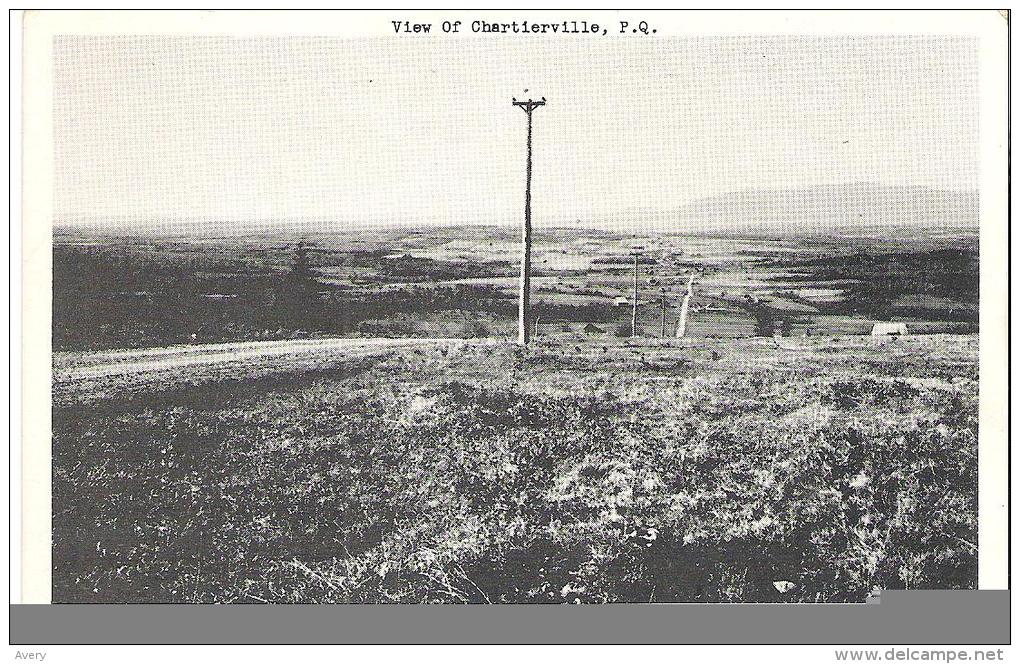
x,y
633,311
523,313
681,326
662,333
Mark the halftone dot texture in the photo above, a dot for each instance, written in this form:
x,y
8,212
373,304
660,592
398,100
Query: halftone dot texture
x,y
216,135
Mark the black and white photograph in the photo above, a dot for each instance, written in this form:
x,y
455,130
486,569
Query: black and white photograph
x,y
518,307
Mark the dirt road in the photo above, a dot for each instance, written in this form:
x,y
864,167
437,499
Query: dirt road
x,y
73,367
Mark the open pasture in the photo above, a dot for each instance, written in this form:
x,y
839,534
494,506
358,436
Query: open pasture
x,y
463,282
576,471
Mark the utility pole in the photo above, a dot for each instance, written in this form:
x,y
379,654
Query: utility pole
x,y
523,313
662,332
633,311
681,326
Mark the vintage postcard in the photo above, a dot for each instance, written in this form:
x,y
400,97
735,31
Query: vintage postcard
x,y
513,307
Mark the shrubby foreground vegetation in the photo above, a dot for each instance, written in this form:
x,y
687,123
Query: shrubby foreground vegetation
x,y
727,471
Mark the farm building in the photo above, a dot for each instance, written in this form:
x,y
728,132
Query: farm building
x,y
592,328
889,330
621,301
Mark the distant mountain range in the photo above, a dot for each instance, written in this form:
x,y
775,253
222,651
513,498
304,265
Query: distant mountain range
x,y
847,209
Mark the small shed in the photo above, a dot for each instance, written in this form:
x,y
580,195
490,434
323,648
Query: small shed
x,y
621,301
889,330
592,328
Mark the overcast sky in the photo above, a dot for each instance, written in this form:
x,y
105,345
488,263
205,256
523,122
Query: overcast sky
x,y
177,130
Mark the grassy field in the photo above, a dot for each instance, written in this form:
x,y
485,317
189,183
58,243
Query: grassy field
x,y
716,470
139,292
